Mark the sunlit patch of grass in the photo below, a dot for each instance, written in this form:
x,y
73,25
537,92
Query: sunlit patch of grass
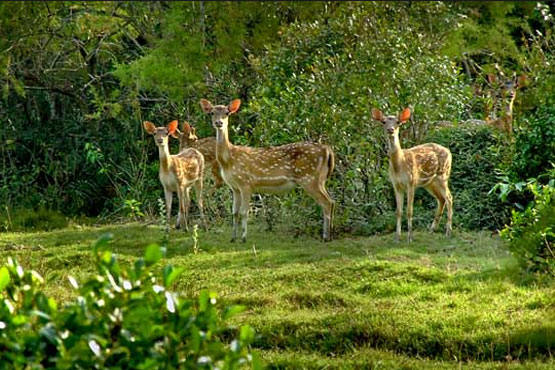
x,y
349,304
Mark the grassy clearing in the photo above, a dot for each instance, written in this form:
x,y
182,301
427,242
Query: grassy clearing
x,y
349,304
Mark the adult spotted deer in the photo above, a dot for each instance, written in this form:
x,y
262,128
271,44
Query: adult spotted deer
x,y
275,169
502,98
426,165
178,173
207,146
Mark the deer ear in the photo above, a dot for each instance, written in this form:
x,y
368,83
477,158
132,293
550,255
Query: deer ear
x,y
149,127
172,126
206,105
377,114
177,134
521,80
186,127
234,106
405,115
492,78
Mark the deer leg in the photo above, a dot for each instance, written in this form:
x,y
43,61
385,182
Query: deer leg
x,y
216,173
200,202
319,193
244,212
168,195
449,202
236,206
186,205
399,212
410,201
440,205
182,196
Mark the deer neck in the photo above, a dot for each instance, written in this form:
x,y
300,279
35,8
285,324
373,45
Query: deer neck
x,y
165,158
396,154
223,147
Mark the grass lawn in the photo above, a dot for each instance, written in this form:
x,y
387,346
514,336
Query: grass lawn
x,y
353,303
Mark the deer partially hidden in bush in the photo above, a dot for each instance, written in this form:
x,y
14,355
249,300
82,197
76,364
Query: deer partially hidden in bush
x,y
499,113
188,139
275,169
498,109
427,165
178,173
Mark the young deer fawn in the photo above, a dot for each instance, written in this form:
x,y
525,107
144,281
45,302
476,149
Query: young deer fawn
x,y
207,146
178,173
426,165
275,169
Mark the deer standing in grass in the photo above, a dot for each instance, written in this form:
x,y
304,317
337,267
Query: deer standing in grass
x,y
427,165
207,146
178,173
248,170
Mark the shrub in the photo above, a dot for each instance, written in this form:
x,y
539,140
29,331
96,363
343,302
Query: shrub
x,y
478,152
531,233
321,82
122,318
535,144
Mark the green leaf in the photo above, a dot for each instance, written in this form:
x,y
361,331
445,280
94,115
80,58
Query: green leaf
x,y
171,273
102,243
153,254
231,311
4,278
247,334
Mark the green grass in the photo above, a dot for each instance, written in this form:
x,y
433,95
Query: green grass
x,y
353,303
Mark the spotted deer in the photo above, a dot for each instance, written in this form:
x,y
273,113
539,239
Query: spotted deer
x,y
502,97
188,139
247,170
427,165
498,109
178,173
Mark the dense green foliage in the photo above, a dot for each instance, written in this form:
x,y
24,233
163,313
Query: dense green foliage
x,y
124,318
79,78
480,152
531,232
535,145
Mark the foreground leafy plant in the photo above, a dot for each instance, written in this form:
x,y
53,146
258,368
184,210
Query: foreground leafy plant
x,y
122,318
532,232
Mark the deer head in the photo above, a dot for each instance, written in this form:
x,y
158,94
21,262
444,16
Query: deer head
x,y
220,113
162,133
391,124
186,136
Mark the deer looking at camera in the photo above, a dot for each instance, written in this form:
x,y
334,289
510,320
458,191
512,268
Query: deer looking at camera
x,y
503,95
275,169
178,173
207,146
498,110
426,165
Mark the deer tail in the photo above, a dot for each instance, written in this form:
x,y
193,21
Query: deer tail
x,y
330,161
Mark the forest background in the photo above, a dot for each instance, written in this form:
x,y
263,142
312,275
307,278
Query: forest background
x,y
78,78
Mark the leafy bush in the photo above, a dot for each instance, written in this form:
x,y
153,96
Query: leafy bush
x,y
122,318
478,153
322,80
535,145
531,233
